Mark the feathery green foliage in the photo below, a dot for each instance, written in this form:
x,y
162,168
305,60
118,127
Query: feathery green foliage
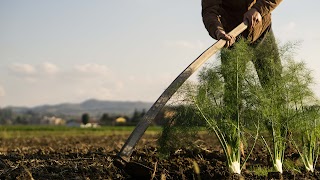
x,y
224,111
180,130
248,90
304,111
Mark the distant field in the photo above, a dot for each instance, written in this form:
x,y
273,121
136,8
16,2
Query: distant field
x,y
36,131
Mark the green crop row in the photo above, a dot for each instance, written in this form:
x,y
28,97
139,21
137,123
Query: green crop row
x,y
38,131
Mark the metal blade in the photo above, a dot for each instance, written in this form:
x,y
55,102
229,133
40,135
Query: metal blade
x,y
147,119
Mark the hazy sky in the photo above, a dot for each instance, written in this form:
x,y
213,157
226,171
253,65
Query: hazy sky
x,y
69,51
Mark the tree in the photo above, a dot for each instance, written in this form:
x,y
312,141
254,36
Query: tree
x,y
137,115
6,115
106,119
85,118
21,119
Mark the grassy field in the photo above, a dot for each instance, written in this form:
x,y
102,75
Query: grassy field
x,y
38,131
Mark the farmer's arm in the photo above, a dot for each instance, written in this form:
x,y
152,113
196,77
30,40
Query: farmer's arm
x,y
210,16
265,7
212,22
260,9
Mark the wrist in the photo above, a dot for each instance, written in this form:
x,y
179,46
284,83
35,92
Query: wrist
x,y
218,33
257,8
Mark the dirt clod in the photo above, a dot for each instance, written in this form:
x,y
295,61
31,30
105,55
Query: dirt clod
x,y
86,158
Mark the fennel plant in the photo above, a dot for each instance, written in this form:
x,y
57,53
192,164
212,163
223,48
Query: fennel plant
x,y
224,112
282,104
305,113
273,101
308,127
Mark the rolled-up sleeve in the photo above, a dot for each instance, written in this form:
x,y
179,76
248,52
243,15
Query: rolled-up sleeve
x,y
266,6
211,16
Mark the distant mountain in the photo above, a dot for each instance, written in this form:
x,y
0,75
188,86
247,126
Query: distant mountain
x,y
93,107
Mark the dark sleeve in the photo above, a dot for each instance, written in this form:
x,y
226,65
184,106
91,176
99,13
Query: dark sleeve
x,y
266,6
211,16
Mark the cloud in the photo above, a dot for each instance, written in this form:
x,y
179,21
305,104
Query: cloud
x,y
22,69
92,68
49,68
2,91
47,83
33,70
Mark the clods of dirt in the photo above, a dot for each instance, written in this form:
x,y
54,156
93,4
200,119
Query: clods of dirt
x,y
84,157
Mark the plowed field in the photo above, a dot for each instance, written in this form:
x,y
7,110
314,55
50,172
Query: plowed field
x,y
91,157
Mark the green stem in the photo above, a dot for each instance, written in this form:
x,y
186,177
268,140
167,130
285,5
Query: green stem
x,y
219,135
268,148
254,143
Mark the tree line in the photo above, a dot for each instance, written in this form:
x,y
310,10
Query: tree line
x,y
9,117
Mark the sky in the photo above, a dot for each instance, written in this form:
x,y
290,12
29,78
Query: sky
x,y
129,50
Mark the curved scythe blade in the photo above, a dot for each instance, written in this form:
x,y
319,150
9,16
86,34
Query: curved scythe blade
x,y
142,126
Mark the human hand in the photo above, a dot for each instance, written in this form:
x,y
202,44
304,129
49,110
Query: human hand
x,y
253,17
220,34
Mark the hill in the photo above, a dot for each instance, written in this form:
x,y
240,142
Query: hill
x,y
93,107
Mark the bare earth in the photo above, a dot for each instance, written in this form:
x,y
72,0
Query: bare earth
x,y
83,157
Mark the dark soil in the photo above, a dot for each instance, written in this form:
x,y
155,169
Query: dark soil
x,y
92,158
